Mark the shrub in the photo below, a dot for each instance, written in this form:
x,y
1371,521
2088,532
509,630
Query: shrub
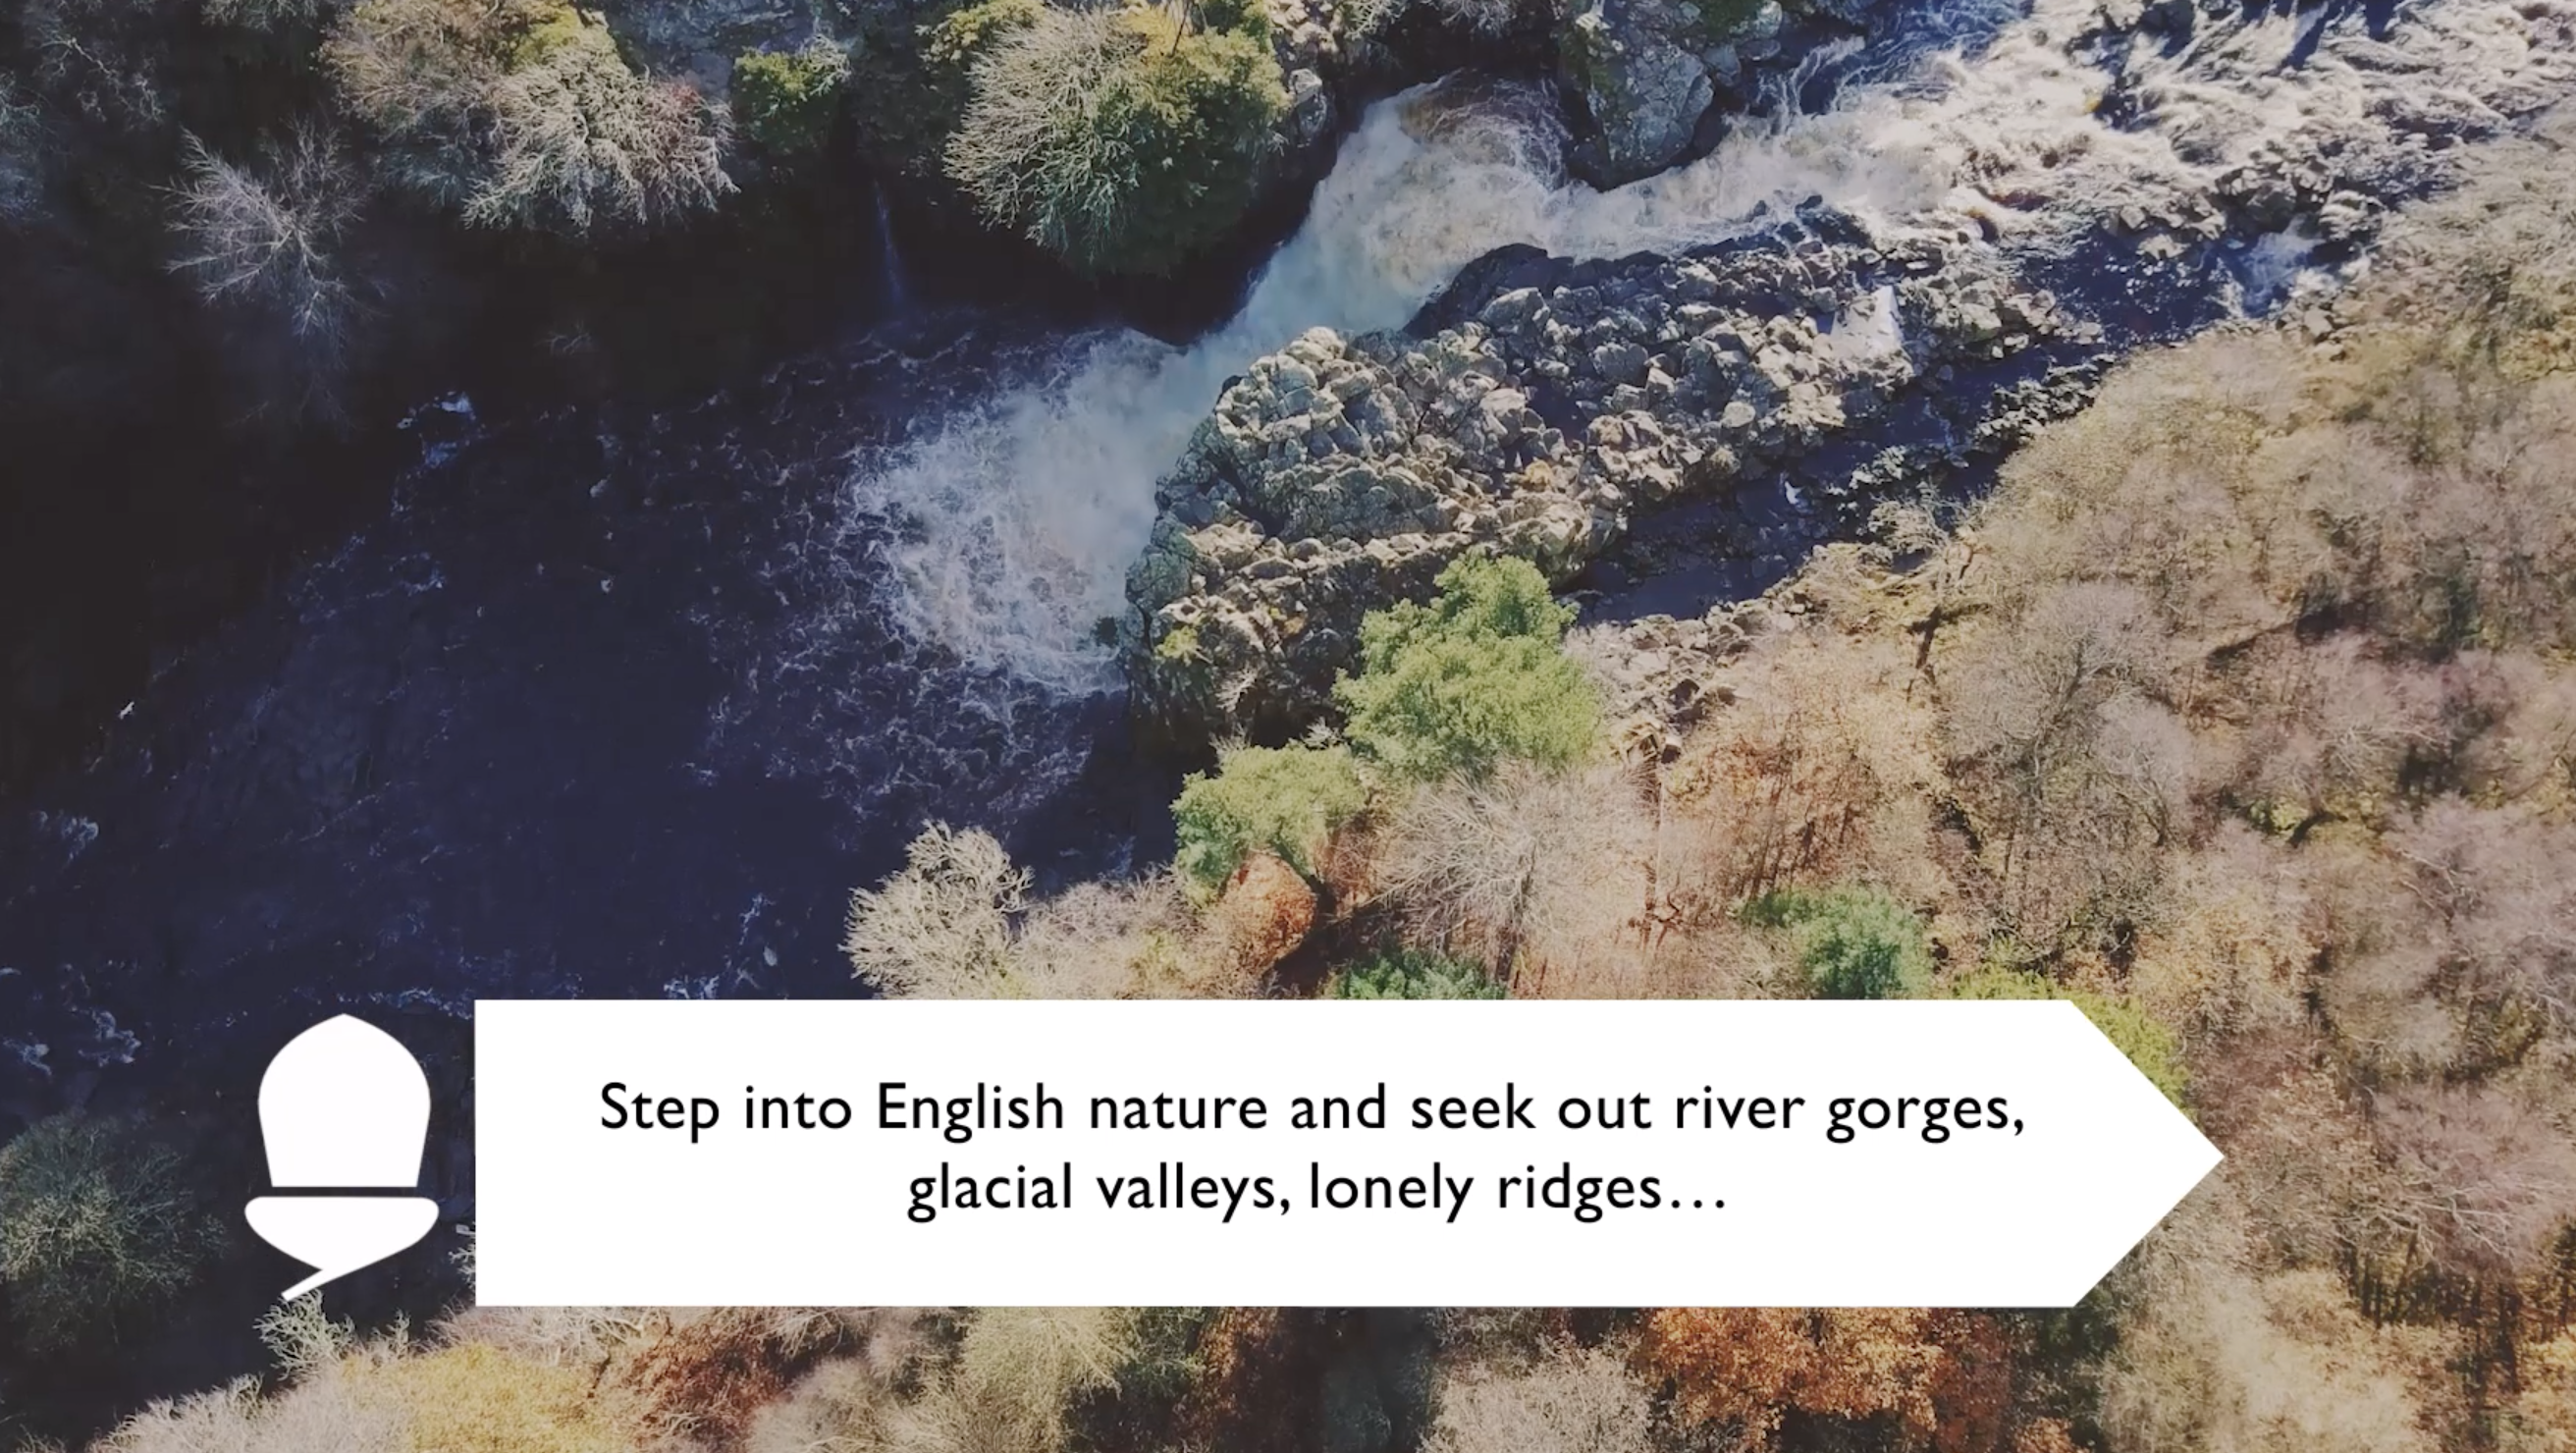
x,y
582,140
1267,913
1117,140
957,923
911,79
1163,1360
99,62
1139,939
327,1415
941,928
521,113
707,1374
2220,1354
1018,1372
420,74
476,1398
1804,776
1413,974
1570,1402
302,1339
1474,679
785,101
952,44
96,1224
840,1405
1853,943
1285,800
2145,1039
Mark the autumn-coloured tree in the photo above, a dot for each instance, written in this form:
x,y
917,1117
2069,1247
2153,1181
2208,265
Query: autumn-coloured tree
x,y
1940,1380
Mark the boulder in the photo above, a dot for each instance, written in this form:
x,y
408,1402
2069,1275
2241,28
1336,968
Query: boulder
x,y
1641,89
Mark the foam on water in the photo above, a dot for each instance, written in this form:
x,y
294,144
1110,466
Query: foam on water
x,y
1018,514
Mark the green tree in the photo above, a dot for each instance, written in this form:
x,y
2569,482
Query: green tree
x,y
912,75
1121,141
1410,973
2145,1039
1852,942
1473,679
524,114
785,100
97,1224
1286,800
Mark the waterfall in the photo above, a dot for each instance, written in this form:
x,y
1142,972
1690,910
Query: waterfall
x,y
1019,513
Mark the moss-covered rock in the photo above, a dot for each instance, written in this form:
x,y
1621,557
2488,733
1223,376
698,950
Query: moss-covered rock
x,y
1635,68
784,102
909,80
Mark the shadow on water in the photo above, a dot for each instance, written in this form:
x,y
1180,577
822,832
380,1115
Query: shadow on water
x,y
555,725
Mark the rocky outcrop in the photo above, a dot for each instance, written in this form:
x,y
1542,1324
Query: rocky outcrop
x,y
2097,185
1533,409
1642,88
1651,83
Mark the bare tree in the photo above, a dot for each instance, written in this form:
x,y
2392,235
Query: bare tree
x,y
583,141
264,243
1530,871
941,928
1570,1401
269,237
522,113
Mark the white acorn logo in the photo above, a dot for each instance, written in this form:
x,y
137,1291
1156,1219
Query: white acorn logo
x,y
344,1109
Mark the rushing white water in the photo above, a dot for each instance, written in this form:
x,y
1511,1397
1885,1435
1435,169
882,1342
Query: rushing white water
x,y
1020,514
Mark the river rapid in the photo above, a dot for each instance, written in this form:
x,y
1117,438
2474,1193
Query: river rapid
x,y
620,702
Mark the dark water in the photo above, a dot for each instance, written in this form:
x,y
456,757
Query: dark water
x,y
609,702
606,704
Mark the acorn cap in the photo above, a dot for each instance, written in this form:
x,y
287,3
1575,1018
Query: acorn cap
x,y
344,1105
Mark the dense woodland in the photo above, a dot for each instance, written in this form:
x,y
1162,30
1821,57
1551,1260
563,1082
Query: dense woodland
x,y
271,227
2242,712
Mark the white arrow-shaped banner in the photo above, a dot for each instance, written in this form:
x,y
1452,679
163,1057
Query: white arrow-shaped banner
x,y
1312,1153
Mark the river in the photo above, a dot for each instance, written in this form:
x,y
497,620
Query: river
x,y
617,702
